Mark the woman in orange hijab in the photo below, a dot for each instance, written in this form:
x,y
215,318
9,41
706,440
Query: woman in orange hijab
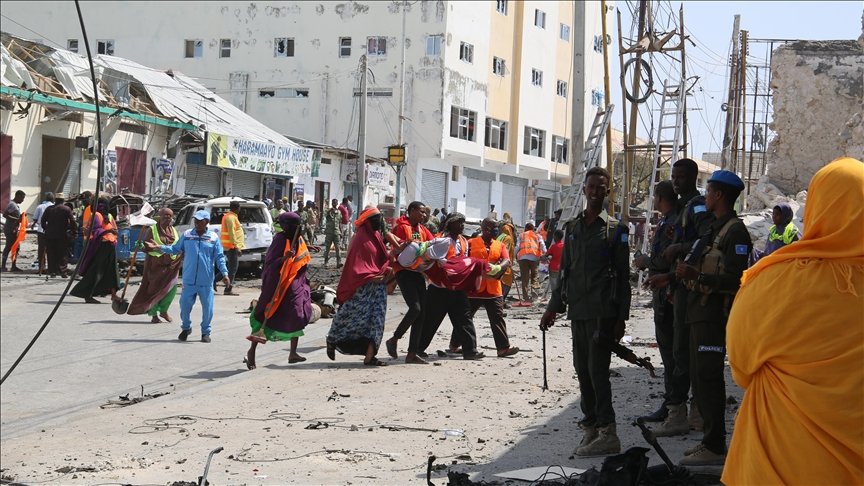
x,y
795,339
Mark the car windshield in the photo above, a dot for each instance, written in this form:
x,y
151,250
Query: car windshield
x,y
248,215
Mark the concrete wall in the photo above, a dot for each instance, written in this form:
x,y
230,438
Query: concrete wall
x,y
818,104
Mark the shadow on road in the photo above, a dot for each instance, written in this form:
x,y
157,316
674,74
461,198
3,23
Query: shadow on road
x,y
213,375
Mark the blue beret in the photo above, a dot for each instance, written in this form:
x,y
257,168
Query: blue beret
x,y
202,215
727,177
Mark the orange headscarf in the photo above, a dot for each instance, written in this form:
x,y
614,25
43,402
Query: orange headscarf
x,y
366,214
795,339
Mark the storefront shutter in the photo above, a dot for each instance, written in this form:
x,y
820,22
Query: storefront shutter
x,y
477,198
202,180
245,184
433,188
513,201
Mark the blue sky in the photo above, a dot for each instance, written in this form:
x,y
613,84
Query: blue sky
x,y
710,26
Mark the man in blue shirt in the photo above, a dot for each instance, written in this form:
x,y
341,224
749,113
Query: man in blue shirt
x,y
201,250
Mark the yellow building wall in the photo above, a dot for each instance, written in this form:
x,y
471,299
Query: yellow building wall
x,y
501,42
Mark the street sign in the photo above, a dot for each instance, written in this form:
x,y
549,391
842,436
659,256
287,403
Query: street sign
x,y
396,154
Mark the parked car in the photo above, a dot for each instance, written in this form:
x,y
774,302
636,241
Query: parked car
x,y
254,218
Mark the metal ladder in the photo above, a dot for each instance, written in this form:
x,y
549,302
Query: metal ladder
x,y
667,143
571,201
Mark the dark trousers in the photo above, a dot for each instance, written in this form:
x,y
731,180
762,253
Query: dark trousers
x,y
591,360
664,331
707,353
10,239
331,239
680,349
57,250
413,288
441,302
41,242
495,312
232,261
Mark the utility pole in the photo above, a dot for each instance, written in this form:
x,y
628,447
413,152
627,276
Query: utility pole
x,y
361,163
400,166
743,101
634,114
684,79
607,94
730,99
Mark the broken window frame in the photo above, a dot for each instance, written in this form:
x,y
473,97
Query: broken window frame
x,y
301,93
72,45
193,48
287,49
433,45
224,51
539,18
561,88
496,134
376,46
463,123
105,46
499,66
344,47
535,141
560,149
536,77
466,52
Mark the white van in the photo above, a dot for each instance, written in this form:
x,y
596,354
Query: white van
x,y
254,218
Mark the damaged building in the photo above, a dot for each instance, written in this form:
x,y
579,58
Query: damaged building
x,y
497,95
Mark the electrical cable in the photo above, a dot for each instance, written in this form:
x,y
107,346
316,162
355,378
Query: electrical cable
x,y
93,202
646,68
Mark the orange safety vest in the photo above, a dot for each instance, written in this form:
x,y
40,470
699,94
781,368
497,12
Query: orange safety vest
x,y
85,221
489,287
529,245
229,218
289,270
463,243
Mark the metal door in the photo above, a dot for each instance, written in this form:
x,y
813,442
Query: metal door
x,y
433,188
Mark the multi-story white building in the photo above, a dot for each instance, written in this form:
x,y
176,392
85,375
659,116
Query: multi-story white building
x,y
497,94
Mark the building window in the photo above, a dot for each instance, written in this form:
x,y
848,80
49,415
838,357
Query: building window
x,y
462,123
72,45
539,18
194,48
344,47
225,48
376,92
535,142
501,6
433,45
564,33
559,149
496,134
498,66
537,77
105,46
283,47
597,98
561,88
376,46
466,52
598,43
283,93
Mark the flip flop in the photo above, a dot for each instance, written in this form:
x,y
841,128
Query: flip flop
x,y
374,362
296,360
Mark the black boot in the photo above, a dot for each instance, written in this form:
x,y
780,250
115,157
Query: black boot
x,y
658,415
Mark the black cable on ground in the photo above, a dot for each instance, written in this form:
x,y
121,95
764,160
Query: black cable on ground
x,y
93,202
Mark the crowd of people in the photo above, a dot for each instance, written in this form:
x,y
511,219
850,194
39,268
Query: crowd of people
x,y
804,386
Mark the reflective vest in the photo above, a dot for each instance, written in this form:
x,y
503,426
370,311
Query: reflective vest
x,y
489,287
287,274
229,218
463,244
274,215
786,237
529,245
110,225
158,241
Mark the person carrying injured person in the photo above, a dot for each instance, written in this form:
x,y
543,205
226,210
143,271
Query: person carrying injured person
x,y
454,273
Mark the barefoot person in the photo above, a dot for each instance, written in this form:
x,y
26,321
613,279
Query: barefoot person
x,y
285,304
359,324
159,283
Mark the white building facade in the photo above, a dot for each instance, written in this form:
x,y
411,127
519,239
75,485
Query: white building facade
x,y
498,94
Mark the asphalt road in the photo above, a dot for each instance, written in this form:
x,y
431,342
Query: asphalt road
x,y
89,355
